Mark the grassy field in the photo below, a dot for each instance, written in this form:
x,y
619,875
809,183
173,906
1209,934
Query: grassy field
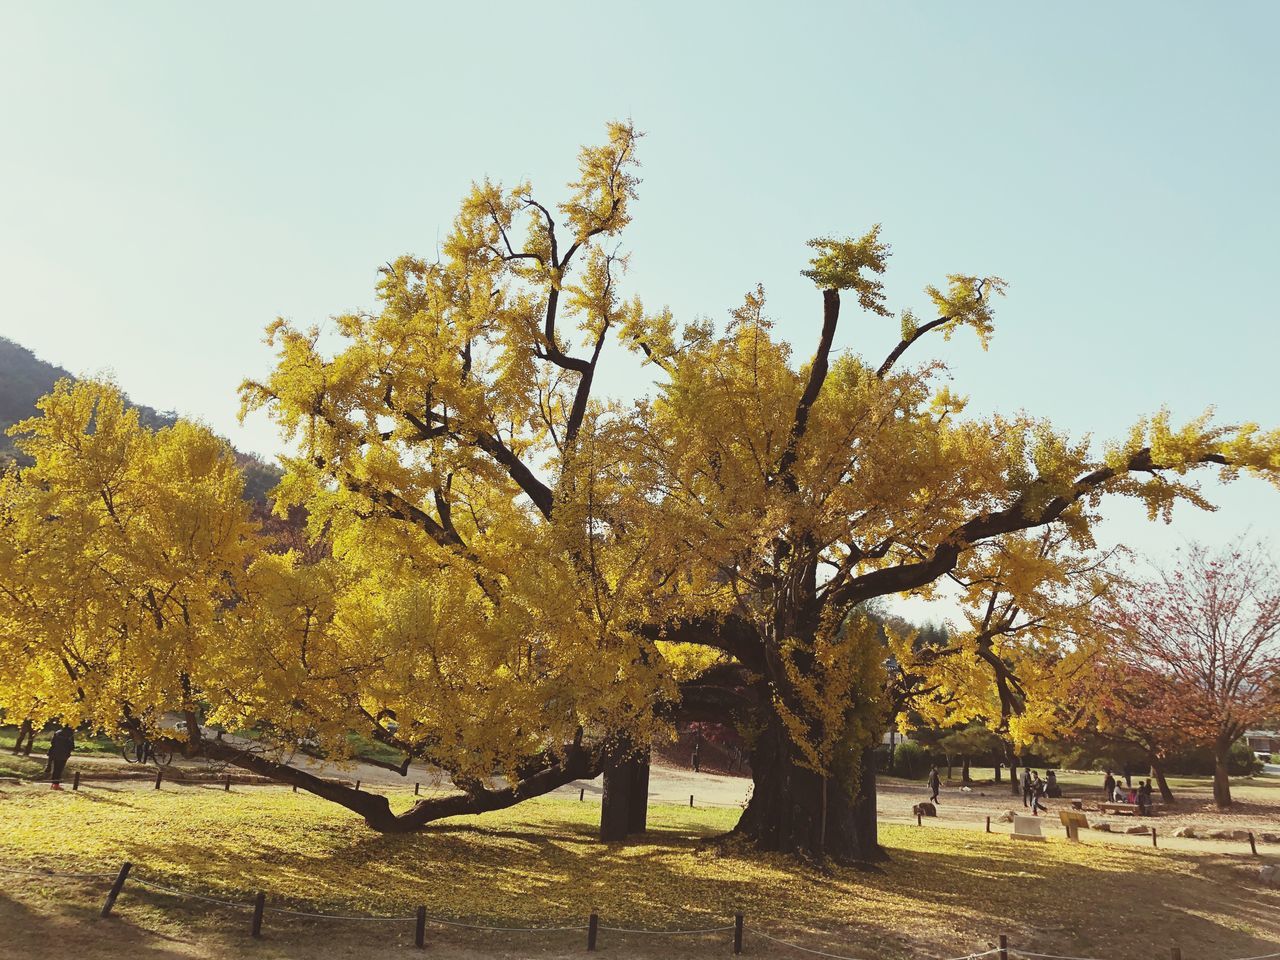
x,y
943,893
84,744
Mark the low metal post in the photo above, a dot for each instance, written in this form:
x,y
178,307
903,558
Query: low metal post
x,y
420,933
259,905
737,932
988,824
415,788
226,785
116,886
593,927
582,793
75,781
1004,947
159,774
691,799
1153,838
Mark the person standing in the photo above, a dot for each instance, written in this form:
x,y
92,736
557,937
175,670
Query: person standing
x,y
1145,806
1026,787
696,760
1109,787
60,748
935,784
1037,793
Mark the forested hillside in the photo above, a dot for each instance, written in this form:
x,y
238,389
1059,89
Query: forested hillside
x,y
25,378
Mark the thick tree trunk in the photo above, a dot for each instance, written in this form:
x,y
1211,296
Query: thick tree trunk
x,y
1157,774
1221,778
866,818
794,810
624,804
615,801
25,734
964,772
638,803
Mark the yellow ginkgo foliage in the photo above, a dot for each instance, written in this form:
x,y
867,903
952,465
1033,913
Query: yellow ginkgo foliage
x,y
522,579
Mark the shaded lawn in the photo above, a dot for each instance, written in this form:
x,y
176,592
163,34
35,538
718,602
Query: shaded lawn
x,y
944,891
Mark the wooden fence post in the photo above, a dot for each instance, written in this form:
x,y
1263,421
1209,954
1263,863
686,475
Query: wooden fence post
x,y
357,784
988,824
415,788
593,926
737,932
75,782
691,799
1153,838
116,886
919,820
1175,953
159,774
259,905
582,793
420,933
226,786
1004,947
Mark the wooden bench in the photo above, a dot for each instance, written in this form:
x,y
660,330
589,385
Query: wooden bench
x,y
1130,808
1073,820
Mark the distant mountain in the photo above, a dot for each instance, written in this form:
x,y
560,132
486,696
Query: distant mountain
x,y
25,378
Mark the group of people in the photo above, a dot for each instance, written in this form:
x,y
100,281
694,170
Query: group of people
x,y
1117,791
1035,789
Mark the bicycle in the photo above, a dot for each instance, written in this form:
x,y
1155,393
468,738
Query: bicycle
x,y
145,751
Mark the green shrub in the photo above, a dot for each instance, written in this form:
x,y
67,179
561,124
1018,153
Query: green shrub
x,y
911,760
1241,762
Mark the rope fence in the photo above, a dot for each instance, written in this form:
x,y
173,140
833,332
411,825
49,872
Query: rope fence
x,y
592,927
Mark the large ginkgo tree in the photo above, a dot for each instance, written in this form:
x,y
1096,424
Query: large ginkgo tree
x,y
524,579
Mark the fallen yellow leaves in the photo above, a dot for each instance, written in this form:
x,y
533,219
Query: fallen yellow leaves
x,y
539,864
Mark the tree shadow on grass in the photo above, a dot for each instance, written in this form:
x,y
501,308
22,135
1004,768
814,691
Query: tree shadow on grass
x,y
544,867
71,927
923,900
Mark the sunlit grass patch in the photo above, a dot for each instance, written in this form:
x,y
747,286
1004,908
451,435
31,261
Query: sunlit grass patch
x,y
540,864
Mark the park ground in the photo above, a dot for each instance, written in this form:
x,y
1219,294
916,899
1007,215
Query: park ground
x,y
948,889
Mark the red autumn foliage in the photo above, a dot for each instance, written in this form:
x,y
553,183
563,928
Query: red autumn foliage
x,y
1195,652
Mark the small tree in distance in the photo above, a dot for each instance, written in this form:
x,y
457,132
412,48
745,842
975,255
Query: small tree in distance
x,y
1202,637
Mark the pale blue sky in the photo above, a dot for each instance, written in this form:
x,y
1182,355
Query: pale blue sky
x,y
176,175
